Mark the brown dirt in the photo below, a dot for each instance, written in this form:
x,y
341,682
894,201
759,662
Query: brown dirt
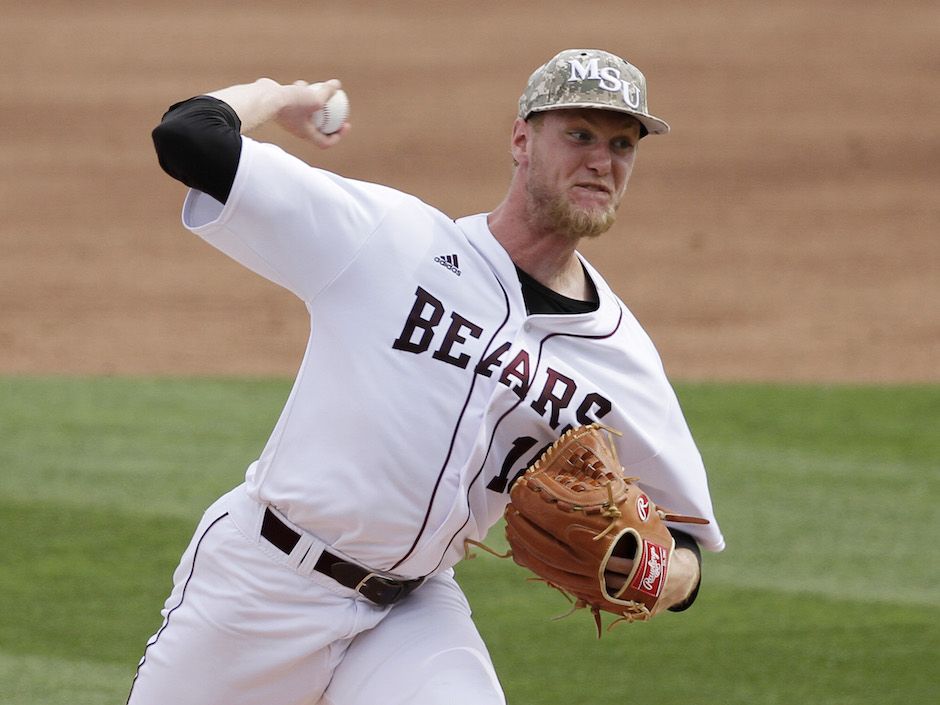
x,y
786,230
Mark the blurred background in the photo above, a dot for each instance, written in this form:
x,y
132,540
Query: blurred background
x,y
785,230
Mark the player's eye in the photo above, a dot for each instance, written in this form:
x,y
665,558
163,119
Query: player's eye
x,y
622,144
581,135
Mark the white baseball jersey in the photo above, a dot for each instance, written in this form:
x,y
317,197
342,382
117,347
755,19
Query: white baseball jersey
x,y
426,388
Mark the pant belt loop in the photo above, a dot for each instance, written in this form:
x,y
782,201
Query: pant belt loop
x,y
297,545
309,559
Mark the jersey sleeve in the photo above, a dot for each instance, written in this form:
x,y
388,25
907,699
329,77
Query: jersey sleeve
x,y
676,479
293,224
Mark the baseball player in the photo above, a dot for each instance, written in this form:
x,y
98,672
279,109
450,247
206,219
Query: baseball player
x,y
444,356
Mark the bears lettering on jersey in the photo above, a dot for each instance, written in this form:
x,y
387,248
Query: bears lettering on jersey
x,y
559,391
457,332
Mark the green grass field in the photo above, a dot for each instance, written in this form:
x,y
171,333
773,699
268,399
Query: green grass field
x,y
827,594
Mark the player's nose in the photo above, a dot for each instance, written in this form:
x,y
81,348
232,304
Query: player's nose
x,y
599,160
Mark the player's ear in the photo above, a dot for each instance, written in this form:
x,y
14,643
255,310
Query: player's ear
x,y
519,144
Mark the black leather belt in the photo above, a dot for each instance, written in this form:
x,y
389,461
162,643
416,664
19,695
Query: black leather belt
x,y
377,588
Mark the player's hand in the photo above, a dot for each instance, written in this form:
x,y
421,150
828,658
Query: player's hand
x,y
299,102
682,579
290,106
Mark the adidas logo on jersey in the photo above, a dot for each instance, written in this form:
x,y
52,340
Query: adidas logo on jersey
x,y
449,261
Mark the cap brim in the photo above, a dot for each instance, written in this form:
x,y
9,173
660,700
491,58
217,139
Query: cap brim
x,y
653,125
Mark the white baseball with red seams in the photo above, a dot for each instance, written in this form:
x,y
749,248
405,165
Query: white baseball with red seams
x,y
333,114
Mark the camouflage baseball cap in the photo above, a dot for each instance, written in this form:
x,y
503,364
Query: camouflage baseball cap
x,y
590,78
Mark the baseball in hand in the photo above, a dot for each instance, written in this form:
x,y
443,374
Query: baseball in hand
x,y
331,116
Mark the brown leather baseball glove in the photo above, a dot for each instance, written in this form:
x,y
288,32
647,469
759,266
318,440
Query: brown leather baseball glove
x,y
573,511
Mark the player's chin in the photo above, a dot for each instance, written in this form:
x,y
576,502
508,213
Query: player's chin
x,y
567,214
590,222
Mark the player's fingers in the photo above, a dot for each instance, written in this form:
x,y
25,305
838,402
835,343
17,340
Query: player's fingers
x,y
327,141
617,571
619,565
305,97
324,90
614,581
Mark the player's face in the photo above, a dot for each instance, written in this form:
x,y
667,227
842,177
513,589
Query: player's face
x,y
578,163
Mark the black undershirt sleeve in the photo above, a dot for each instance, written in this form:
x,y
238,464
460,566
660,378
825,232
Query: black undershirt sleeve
x,y
198,142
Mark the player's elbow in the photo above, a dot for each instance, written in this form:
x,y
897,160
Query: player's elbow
x,y
175,146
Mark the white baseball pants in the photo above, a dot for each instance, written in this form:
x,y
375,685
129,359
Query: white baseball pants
x,y
246,624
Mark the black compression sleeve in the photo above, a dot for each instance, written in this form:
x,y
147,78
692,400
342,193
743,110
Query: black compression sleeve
x,y
198,142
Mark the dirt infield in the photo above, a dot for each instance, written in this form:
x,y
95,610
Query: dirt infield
x,y
786,230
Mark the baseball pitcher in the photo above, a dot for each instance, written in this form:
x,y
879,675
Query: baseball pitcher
x,y
457,372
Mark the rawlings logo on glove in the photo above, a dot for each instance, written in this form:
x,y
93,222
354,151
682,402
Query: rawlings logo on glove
x,y
573,512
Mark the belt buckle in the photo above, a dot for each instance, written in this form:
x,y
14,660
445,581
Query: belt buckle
x,y
378,592
366,579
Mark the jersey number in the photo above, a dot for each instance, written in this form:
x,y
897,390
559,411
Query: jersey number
x,y
520,447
